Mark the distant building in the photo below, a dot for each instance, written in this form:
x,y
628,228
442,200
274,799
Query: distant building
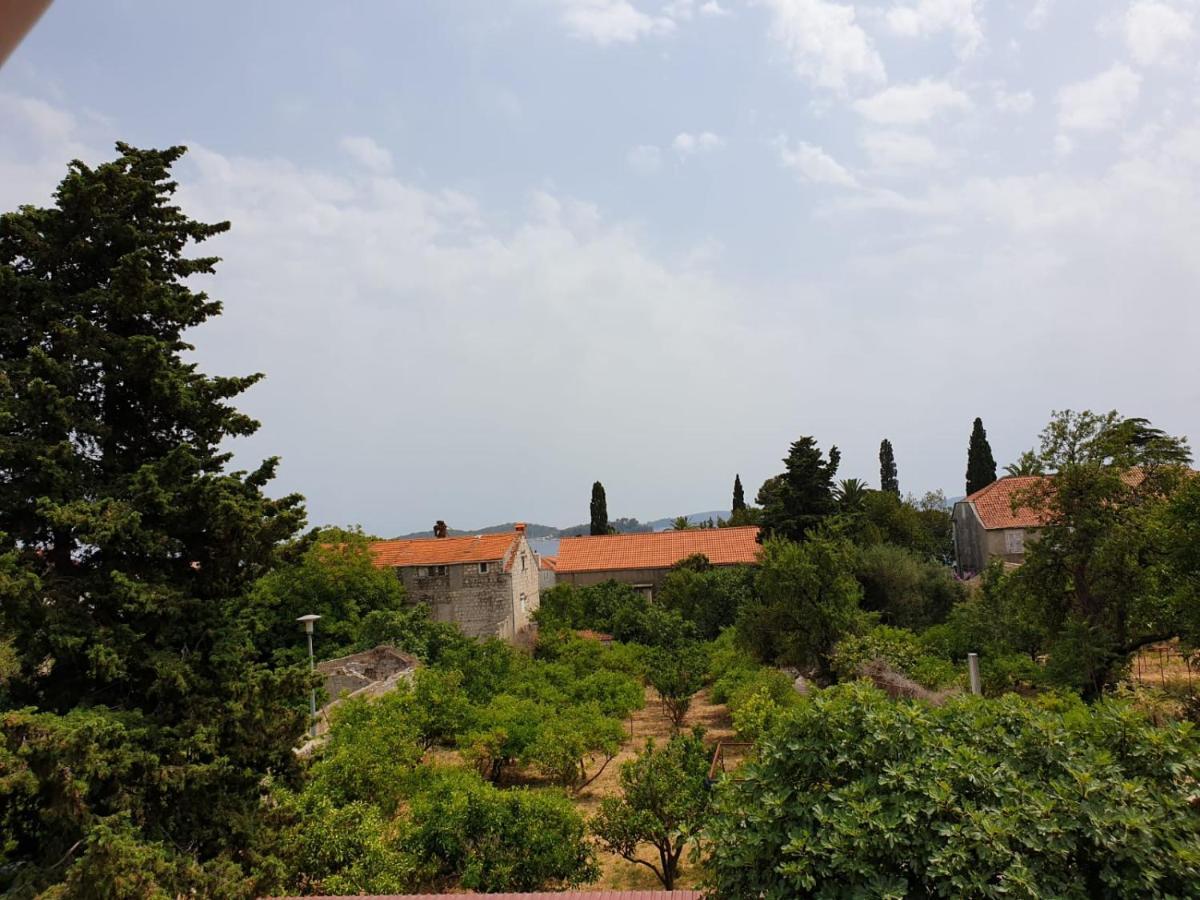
x,y
547,566
987,527
486,584
643,560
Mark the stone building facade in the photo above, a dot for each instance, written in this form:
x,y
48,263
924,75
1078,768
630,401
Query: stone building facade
x,y
988,526
644,560
486,584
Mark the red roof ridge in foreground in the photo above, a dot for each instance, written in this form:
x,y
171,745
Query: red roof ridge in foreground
x,y
658,549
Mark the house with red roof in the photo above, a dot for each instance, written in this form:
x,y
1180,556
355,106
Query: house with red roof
x,y
644,559
993,523
486,584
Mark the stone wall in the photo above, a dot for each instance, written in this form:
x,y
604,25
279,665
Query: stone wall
x,y
526,586
976,546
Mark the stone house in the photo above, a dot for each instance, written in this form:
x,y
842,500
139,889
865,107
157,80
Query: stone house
x,y
547,565
486,584
643,560
986,525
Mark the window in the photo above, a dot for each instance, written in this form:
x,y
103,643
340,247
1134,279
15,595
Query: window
x,y
522,603
436,570
483,568
522,562
1014,541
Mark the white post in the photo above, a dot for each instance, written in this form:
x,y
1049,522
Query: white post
x,y
973,671
312,667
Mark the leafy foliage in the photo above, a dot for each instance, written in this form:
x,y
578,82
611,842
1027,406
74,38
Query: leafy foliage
x,y
599,510
905,589
709,598
127,550
899,648
797,501
853,794
677,673
739,495
664,803
807,600
889,482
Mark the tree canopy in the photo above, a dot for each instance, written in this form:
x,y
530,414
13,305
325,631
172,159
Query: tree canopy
x,y
599,509
888,478
798,500
981,465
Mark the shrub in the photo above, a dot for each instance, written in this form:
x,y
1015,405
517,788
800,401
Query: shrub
x,y
707,597
853,794
906,589
897,647
462,830
677,674
617,695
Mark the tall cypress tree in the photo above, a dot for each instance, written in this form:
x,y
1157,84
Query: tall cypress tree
x,y
981,465
798,500
599,510
888,479
739,496
143,723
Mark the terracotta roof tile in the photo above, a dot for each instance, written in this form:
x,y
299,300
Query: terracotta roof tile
x,y
446,551
994,503
549,563
657,550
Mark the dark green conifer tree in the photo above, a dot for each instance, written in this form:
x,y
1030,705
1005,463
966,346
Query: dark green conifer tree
x,y
981,465
739,496
888,478
599,509
798,500
139,728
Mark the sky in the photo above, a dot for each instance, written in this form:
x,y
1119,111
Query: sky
x,y
489,251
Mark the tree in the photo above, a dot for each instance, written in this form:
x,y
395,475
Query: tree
x,y
1028,463
599,510
1093,568
851,494
739,496
798,500
128,549
981,465
676,673
853,794
888,481
664,803
681,523
807,600
708,598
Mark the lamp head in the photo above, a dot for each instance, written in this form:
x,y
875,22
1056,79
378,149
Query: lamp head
x,y
308,622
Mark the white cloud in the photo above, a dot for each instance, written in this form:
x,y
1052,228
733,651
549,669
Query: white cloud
x,y
825,44
1156,32
1063,146
898,152
912,104
931,17
367,153
1038,14
611,21
1099,103
644,159
713,8
1019,102
685,10
686,144
813,164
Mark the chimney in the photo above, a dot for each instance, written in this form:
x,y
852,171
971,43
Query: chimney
x,y
520,528
439,529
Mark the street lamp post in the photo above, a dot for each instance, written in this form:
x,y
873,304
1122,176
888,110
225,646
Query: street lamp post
x,y
312,665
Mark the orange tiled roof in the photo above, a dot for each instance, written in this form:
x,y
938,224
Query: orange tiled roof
x,y
446,551
994,503
549,563
657,550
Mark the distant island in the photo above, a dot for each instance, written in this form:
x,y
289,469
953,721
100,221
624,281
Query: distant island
x,y
533,530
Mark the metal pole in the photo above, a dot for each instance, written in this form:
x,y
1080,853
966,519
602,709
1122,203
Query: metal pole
x,y
312,697
973,672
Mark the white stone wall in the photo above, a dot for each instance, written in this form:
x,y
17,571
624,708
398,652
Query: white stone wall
x,y
525,581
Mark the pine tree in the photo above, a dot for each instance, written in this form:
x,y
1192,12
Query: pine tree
x,y
599,510
798,500
888,480
739,497
981,465
126,549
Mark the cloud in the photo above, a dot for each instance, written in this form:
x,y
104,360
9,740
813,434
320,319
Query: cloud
x,y
685,10
606,22
1019,102
1038,13
713,8
1156,33
644,159
912,104
825,44
931,17
813,164
686,144
1100,103
898,152
367,153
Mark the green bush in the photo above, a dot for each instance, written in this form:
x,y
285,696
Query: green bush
x,y
853,794
905,588
709,598
899,648
464,831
